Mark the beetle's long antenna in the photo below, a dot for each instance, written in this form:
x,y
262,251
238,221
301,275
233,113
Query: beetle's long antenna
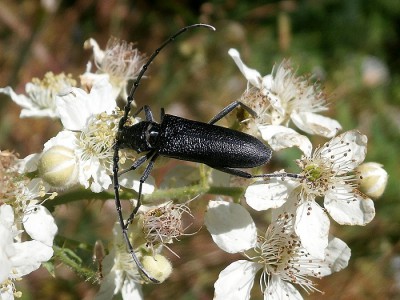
x,y
127,108
146,65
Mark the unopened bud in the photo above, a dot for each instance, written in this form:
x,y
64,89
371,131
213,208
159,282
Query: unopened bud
x,y
158,266
58,167
373,179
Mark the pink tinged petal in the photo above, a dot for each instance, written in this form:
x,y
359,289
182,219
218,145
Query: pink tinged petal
x,y
337,256
131,290
236,280
346,151
29,255
131,180
316,124
278,289
281,137
348,206
230,226
40,224
271,194
252,76
312,227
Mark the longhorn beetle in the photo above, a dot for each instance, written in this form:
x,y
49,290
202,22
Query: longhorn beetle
x,y
221,148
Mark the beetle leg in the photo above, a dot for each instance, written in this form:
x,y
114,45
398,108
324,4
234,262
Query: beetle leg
x,y
229,108
143,178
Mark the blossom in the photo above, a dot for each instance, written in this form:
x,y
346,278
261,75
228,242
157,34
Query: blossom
x,y
90,121
19,258
121,273
279,254
120,61
282,96
330,173
40,100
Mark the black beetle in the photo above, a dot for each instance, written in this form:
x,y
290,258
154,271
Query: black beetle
x,y
221,148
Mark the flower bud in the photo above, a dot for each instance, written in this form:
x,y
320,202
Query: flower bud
x,y
158,266
373,179
58,167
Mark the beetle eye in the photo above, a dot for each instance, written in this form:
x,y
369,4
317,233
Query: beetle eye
x,y
152,134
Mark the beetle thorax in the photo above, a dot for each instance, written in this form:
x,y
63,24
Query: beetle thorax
x,y
140,137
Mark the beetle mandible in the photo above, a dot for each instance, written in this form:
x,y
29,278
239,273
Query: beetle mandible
x,y
221,148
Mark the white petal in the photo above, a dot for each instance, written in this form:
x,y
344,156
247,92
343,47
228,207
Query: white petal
x,y
40,224
264,195
29,255
347,151
6,292
236,281
64,138
131,290
281,137
349,207
252,76
97,52
6,216
312,227
76,107
131,179
107,287
316,124
337,256
21,100
30,163
278,289
230,226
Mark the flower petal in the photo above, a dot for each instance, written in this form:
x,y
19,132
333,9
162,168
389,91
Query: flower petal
x,y
40,224
131,290
312,227
348,206
315,124
264,195
346,151
236,280
337,256
131,180
281,137
28,257
230,226
278,289
77,106
252,76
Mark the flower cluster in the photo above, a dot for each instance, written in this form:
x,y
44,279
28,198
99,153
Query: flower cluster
x,y
296,246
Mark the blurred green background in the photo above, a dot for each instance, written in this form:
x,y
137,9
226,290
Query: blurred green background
x,y
353,47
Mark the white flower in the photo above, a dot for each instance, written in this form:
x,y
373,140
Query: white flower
x,y
41,95
328,173
279,254
90,121
19,258
120,61
282,96
121,272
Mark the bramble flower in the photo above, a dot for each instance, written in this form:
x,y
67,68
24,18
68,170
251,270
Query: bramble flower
x,y
120,61
121,273
163,224
330,173
90,121
281,97
41,95
279,254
